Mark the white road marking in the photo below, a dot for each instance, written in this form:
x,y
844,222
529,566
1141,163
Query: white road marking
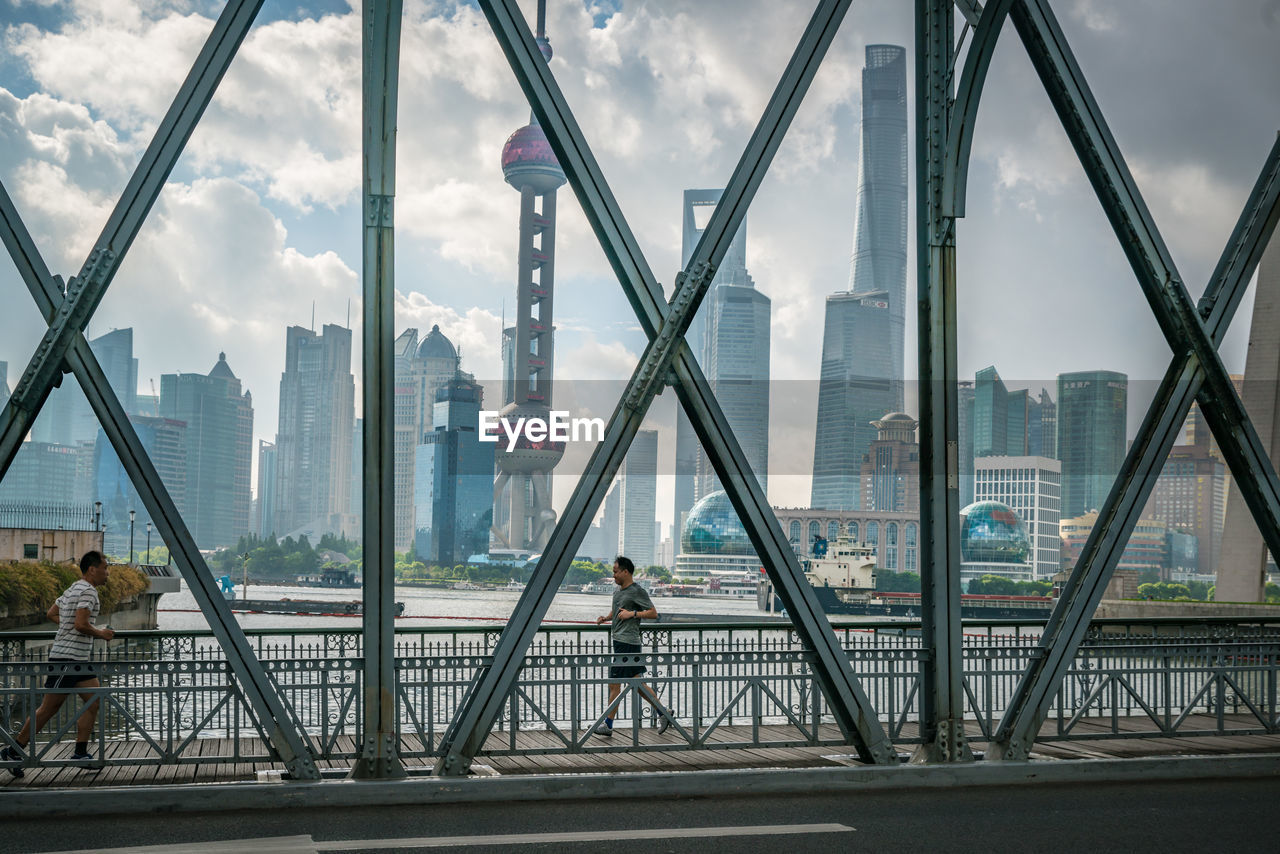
x,y
269,845
581,836
305,845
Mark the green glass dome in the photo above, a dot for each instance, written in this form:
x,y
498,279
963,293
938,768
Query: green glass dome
x,y
990,532
712,528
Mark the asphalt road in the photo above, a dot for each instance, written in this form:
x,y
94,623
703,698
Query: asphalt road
x,y
1194,816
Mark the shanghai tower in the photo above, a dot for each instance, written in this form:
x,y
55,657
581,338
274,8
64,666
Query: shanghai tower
x,y
522,514
862,372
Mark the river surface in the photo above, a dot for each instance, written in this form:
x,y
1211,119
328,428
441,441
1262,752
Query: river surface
x,y
424,606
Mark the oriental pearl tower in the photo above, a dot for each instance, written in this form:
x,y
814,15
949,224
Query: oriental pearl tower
x,y
522,515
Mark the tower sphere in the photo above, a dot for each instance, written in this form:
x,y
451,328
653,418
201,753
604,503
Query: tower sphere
x,y
528,161
527,456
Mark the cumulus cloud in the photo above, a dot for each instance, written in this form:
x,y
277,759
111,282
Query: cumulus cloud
x,y
667,94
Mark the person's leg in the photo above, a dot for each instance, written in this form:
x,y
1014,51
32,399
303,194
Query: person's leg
x,y
84,724
605,727
48,708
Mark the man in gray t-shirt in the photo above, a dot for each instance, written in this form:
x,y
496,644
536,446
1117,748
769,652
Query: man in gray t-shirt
x,y
631,604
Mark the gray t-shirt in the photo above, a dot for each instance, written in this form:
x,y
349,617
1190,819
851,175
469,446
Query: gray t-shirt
x,y
69,643
630,598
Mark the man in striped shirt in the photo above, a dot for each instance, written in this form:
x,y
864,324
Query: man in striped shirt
x,y
70,656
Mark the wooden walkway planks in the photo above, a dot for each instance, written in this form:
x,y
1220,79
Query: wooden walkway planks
x,y
611,755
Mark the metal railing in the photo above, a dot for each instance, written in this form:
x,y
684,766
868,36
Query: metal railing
x,y
168,695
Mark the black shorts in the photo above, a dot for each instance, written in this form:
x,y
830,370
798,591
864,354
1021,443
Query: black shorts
x,y
66,673
626,671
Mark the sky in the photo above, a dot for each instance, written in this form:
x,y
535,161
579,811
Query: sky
x,y
259,224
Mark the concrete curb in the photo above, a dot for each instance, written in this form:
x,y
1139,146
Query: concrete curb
x,y
203,797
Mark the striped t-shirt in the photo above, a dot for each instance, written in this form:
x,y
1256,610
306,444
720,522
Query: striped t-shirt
x,y
69,643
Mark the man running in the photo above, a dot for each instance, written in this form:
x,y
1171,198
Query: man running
x,y
631,604
72,649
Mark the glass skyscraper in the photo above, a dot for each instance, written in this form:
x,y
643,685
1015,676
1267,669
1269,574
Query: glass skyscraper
x,y
730,334
453,488
1091,436
861,378
219,450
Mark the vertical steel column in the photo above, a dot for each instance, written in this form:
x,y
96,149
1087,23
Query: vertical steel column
x,y
942,674
379,750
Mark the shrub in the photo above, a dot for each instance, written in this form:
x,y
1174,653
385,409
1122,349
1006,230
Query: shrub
x,y
30,586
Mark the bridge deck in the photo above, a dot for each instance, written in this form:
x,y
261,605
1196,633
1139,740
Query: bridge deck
x,y
620,760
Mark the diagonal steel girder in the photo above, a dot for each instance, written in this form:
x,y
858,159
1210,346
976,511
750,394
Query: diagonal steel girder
x,y
1196,371
667,358
64,348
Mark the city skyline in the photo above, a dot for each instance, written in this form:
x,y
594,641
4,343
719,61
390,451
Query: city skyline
x,y
280,225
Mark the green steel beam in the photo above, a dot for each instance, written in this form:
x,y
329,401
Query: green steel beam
x,y
379,749
942,672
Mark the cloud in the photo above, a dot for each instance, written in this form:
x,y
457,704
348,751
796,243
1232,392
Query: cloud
x,y
667,95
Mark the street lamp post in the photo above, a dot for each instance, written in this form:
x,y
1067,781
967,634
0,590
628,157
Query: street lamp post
x,y
132,513
148,541
97,514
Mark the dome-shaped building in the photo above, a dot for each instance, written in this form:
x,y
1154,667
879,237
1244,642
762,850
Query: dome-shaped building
x,y
436,346
714,541
993,541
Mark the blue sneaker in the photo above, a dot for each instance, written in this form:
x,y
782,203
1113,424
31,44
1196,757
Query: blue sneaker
x,y
11,755
86,760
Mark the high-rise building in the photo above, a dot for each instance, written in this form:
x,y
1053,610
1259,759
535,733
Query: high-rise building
x,y
422,368
730,335
4,383
1190,497
736,359
990,413
313,439
1091,436
1031,487
1242,570
966,397
891,467
66,418
863,337
265,504
523,517
637,500
1042,427
355,505
219,450
858,383
1011,423
454,470
42,473
165,441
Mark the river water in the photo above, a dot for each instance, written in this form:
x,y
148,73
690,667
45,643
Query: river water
x,y
436,607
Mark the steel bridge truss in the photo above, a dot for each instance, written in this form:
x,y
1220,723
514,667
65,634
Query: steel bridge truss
x,y
945,125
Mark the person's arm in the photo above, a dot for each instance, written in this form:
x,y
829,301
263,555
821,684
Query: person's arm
x,y
606,618
650,613
85,627
53,612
